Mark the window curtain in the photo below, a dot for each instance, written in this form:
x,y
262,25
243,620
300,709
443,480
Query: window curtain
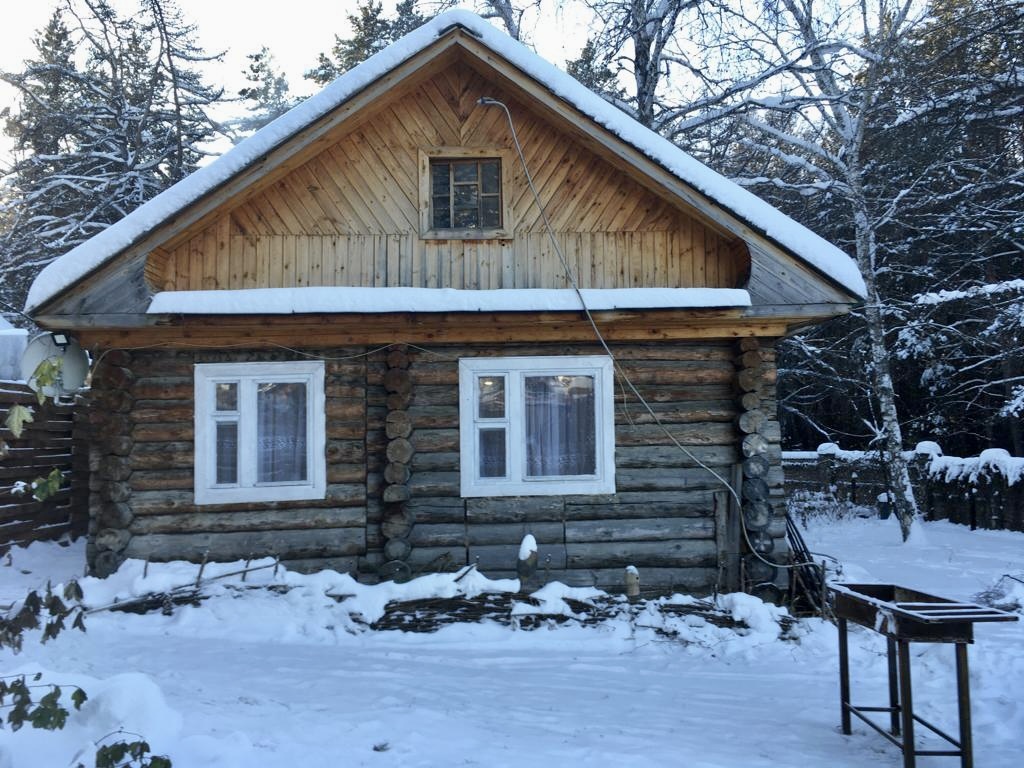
x,y
281,432
560,427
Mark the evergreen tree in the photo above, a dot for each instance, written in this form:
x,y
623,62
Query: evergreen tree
x,y
267,96
372,31
96,140
592,70
44,129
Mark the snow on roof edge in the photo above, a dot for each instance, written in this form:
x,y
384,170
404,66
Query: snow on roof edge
x,y
363,300
92,254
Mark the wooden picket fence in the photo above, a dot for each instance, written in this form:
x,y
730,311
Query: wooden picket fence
x,y
48,442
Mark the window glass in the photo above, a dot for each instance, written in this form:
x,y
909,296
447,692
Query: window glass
x,y
492,397
440,177
490,177
465,171
490,213
465,194
227,452
227,396
281,432
560,428
492,453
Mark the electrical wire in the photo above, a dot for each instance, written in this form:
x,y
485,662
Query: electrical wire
x,y
491,102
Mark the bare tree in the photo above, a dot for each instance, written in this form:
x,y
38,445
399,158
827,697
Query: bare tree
x,y
803,81
639,36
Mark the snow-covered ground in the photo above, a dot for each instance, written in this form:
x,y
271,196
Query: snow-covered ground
x,y
261,679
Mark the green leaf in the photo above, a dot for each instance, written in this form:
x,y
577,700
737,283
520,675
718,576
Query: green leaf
x,y
78,698
17,417
45,487
111,755
46,374
159,762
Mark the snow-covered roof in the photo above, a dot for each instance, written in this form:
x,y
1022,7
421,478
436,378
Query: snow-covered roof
x,y
289,301
800,241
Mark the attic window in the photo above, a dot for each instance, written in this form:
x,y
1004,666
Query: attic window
x,y
464,193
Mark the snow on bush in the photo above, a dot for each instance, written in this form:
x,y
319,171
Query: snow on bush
x,y
122,707
990,463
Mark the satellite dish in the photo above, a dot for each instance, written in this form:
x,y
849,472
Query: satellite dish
x,y
74,365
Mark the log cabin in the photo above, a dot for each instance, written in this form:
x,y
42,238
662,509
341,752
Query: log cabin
x,y
453,299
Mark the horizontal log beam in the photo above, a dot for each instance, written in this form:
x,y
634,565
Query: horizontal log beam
x,y
263,331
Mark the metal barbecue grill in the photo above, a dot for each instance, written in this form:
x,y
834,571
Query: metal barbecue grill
x,y
904,616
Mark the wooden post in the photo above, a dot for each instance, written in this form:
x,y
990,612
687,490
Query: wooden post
x,y
526,564
632,579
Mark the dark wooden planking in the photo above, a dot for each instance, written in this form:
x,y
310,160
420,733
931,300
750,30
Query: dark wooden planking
x,y
644,529
238,545
245,520
676,553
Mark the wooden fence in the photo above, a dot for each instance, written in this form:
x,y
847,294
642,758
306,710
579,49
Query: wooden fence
x,y
48,442
984,491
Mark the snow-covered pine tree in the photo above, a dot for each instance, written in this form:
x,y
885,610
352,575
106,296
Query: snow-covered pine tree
x,y
33,208
112,112
267,96
592,70
963,221
185,97
371,32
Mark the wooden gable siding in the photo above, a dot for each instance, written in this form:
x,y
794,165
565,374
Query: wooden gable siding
x,y
350,217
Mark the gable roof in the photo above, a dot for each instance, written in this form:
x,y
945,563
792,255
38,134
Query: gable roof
x,y
744,206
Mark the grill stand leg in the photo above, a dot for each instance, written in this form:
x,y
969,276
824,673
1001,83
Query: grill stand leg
x,y
894,691
844,679
907,707
963,692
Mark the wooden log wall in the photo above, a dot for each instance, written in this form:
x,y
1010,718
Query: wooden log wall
x,y
662,517
760,480
142,500
350,216
393,506
48,442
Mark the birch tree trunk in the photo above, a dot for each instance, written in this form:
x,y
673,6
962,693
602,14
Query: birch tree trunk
x,y
894,463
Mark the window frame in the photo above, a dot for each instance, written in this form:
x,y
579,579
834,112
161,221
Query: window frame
x,y
515,370
504,157
247,376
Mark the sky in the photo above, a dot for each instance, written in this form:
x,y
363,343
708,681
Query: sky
x,y
294,30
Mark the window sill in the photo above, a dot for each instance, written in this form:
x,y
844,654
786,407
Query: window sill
x,y
466,234
305,492
540,488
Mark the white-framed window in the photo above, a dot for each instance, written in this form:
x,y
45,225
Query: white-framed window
x,y
259,432
534,426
